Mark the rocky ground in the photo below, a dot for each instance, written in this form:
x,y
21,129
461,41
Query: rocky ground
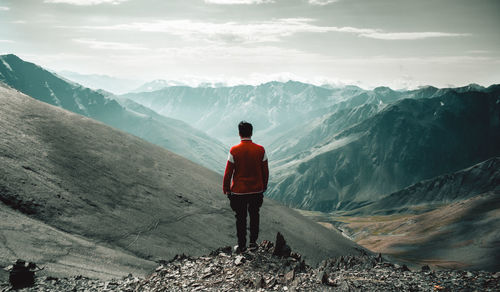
x,y
275,268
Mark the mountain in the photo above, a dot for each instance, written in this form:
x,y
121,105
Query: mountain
x,y
355,107
155,85
461,234
96,81
278,110
295,142
169,133
176,136
106,188
449,221
408,141
478,179
271,107
160,84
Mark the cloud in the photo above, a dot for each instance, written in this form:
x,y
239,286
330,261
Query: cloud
x,y
228,32
259,32
478,52
231,2
94,44
4,8
85,2
321,2
220,63
237,54
409,35
7,41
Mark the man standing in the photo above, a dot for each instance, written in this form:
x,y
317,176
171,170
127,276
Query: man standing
x,y
247,168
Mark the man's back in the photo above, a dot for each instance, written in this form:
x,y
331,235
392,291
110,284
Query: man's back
x,y
247,165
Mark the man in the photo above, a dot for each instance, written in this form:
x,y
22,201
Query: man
x,y
247,168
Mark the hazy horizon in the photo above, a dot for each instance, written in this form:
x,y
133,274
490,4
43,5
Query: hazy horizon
x,y
400,44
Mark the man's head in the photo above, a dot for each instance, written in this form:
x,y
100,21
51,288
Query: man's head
x,y
245,129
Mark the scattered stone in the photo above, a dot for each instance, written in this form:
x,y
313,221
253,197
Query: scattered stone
x,y
404,268
271,282
225,250
263,271
22,274
281,248
426,268
343,286
267,245
323,277
295,255
259,282
239,260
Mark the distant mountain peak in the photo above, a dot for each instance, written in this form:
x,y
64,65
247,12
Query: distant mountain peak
x,y
157,84
475,86
10,56
383,89
425,87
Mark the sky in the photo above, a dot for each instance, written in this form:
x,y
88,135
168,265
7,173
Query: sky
x,y
396,43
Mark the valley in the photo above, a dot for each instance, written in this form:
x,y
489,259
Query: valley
x,y
461,235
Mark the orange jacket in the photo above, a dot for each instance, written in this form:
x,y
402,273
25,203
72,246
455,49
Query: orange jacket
x,y
248,169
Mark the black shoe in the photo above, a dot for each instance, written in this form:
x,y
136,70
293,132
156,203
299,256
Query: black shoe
x,y
253,246
237,249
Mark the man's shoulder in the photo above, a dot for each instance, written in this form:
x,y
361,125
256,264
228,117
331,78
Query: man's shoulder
x,y
259,146
235,147
246,147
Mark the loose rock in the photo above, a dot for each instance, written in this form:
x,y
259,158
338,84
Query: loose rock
x,y
261,270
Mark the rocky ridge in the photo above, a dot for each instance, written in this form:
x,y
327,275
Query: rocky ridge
x,y
267,268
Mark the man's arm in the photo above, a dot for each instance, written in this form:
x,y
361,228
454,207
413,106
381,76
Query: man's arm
x,y
228,174
265,172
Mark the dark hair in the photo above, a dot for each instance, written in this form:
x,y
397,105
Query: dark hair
x,y
245,129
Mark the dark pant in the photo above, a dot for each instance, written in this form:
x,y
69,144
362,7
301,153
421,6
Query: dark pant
x,y
241,204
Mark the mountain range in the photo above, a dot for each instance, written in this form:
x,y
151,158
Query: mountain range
x,y
408,141
380,159
450,221
271,107
340,148
448,188
155,85
96,81
170,133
